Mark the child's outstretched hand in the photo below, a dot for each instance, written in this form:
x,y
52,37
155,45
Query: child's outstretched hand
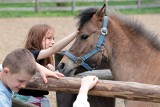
x,y
57,75
44,72
88,83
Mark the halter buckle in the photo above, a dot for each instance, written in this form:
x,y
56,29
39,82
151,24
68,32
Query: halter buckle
x,y
104,31
79,61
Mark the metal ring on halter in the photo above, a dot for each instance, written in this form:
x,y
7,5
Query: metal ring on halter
x,y
79,61
104,31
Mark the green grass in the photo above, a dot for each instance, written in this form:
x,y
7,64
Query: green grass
x,y
140,11
6,14
33,14
49,4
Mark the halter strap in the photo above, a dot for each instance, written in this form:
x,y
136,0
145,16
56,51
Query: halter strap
x,y
81,60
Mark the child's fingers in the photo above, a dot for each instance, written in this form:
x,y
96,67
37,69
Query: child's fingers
x,y
56,76
96,79
44,78
60,74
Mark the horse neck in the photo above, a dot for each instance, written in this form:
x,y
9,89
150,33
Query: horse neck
x,y
132,56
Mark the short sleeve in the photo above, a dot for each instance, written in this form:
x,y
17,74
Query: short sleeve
x,y
35,53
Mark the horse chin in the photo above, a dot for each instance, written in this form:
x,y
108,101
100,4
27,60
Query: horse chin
x,y
80,69
73,72
69,72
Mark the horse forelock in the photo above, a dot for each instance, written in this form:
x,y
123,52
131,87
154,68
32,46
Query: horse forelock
x,y
85,16
138,27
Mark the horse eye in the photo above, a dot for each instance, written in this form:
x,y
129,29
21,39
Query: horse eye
x,y
83,37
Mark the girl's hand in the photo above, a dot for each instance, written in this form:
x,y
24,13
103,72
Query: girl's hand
x,y
50,67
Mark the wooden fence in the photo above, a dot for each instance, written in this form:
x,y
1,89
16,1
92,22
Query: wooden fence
x,y
73,5
106,88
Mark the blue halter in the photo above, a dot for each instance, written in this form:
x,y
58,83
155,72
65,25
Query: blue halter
x,y
81,60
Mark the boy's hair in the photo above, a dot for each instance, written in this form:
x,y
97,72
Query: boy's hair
x,y
20,60
35,38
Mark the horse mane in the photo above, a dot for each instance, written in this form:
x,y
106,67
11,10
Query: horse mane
x,y
133,25
85,16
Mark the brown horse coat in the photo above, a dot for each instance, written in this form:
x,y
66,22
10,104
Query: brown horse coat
x,y
132,51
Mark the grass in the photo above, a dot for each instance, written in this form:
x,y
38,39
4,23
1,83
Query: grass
x,y
6,14
48,4
140,11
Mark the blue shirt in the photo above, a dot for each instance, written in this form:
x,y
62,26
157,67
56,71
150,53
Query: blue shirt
x,y
5,96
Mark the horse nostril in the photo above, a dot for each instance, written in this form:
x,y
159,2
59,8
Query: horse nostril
x,y
61,66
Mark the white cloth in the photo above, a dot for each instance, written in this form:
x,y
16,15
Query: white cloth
x,y
81,101
1,67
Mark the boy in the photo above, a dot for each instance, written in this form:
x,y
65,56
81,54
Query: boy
x,y
18,68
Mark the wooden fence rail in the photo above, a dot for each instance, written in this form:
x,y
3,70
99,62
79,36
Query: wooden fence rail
x,y
73,7
107,88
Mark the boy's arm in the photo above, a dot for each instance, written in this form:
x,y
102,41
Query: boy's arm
x,y
57,46
87,83
81,101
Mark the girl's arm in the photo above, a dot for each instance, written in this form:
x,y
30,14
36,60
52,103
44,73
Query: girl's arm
x,y
57,46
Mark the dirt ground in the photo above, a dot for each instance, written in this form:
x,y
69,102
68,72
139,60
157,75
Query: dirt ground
x,y
13,32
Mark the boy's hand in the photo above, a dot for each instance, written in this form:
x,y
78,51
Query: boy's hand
x,y
48,73
44,72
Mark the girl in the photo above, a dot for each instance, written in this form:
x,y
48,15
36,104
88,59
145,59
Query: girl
x,y
40,41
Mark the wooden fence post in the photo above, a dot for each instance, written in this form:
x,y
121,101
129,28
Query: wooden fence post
x,y
36,6
73,6
138,3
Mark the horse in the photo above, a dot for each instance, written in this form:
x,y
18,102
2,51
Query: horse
x,y
133,52
67,99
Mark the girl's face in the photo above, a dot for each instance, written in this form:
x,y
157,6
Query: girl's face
x,y
48,40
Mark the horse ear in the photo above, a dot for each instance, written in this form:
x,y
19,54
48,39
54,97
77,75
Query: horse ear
x,y
101,11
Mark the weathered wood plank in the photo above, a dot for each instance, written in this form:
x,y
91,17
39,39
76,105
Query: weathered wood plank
x,y
107,88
